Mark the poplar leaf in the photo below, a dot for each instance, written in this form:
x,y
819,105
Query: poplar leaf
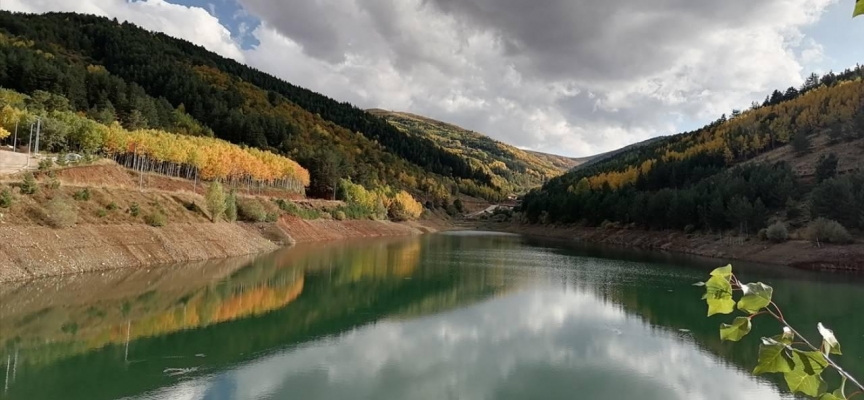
x,y
756,297
718,295
736,331
806,375
773,358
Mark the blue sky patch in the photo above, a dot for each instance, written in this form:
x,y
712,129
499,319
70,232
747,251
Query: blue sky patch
x,y
232,15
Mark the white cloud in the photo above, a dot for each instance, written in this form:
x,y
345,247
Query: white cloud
x,y
567,77
522,72
194,24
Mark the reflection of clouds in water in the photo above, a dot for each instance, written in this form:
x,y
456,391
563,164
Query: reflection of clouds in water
x,y
534,344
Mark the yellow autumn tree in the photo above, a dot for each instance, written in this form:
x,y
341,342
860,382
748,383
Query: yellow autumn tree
x,y
404,207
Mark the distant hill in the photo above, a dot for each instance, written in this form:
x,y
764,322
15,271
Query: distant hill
x,y
561,162
797,157
588,161
511,168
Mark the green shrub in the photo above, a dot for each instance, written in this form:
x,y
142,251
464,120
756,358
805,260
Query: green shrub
x,y
135,209
102,213
339,215
46,164
82,195
28,185
5,198
61,160
763,234
272,216
690,229
112,206
53,182
215,199
460,207
251,210
60,214
293,209
777,232
354,211
231,207
827,231
156,219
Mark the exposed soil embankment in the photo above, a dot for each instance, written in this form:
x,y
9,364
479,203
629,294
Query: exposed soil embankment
x,y
28,252
796,253
303,231
110,225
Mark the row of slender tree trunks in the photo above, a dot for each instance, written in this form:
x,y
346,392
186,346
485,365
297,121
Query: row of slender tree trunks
x,y
143,163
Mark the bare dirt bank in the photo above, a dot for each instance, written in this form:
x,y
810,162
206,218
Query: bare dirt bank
x,y
304,231
30,252
796,253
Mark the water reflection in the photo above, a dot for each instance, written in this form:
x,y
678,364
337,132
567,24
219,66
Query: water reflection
x,y
462,316
539,344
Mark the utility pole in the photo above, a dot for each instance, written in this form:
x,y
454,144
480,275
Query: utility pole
x,y
38,130
30,145
15,141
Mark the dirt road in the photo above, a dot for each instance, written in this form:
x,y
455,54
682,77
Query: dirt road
x,y
11,163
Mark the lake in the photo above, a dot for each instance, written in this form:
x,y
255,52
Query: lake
x,y
466,315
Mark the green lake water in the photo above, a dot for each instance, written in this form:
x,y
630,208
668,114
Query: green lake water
x,y
466,315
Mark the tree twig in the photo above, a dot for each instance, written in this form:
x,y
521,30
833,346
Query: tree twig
x,y
831,362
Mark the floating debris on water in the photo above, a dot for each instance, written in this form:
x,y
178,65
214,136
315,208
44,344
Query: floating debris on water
x,y
179,371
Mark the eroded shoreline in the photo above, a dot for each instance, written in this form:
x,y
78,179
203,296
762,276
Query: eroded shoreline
x,y
33,252
794,253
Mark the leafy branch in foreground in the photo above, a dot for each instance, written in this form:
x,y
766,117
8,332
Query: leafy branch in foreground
x,y
801,366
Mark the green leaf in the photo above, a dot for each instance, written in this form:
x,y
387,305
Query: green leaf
x,y
773,358
756,297
806,375
834,348
718,295
859,9
723,272
837,395
735,332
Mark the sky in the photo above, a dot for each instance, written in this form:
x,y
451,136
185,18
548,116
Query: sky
x,y
570,77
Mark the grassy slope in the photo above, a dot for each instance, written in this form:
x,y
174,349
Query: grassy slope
x,y
511,167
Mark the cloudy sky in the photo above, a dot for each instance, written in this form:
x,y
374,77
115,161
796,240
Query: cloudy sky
x,y
573,77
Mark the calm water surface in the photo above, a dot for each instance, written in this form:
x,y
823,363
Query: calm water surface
x,y
447,316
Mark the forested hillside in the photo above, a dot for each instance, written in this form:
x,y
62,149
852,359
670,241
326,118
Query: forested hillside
x,y
510,168
141,79
736,173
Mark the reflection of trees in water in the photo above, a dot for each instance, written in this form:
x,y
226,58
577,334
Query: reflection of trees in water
x,y
267,284
804,303
333,298
260,287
